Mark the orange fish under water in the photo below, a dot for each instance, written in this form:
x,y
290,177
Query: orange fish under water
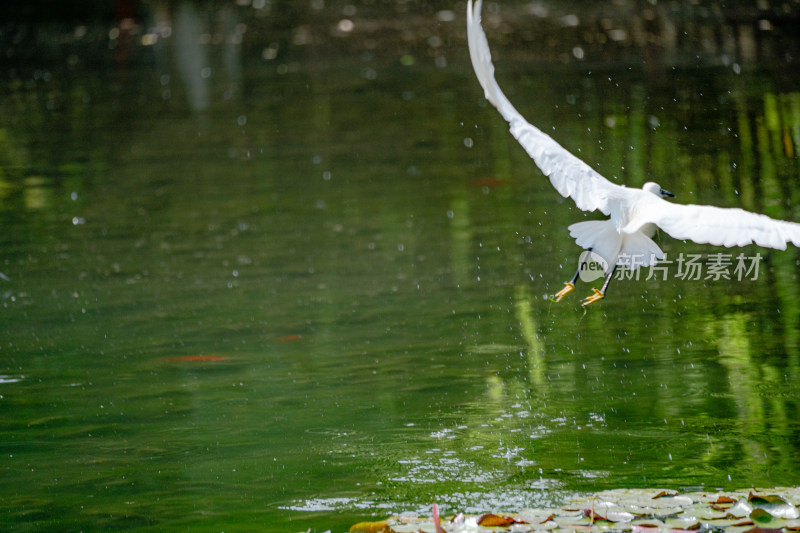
x,y
195,358
290,338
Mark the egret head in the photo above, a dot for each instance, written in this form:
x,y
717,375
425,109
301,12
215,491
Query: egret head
x,y
655,188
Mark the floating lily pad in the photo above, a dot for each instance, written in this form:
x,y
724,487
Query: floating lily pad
x,y
631,511
774,505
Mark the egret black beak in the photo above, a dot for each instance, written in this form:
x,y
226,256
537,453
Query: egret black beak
x,y
666,193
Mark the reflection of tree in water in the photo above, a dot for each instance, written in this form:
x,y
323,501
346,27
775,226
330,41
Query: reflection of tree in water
x,y
596,33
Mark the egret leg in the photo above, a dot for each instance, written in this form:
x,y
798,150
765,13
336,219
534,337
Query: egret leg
x,y
568,286
600,294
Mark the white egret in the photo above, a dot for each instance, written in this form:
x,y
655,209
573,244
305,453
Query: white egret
x,y
634,214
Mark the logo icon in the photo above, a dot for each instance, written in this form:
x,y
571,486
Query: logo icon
x,y
592,266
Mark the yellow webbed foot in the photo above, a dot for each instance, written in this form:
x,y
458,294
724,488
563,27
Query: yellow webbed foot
x,y
563,292
593,298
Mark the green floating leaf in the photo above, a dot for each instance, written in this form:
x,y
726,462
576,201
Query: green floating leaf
x,y
760,515
371,527
774,505
688,523
741,509
759,499
644,525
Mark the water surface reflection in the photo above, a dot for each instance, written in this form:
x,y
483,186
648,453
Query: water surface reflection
x,y
310,288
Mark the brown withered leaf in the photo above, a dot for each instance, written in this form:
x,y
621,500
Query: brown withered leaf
x,y
762,530
721,500
594,516
493,520
664,493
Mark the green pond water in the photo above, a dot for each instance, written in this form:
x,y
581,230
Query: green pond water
x,y
300,291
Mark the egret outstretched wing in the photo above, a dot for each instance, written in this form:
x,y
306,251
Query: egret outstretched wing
x,y
569,175
707,224
633,208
